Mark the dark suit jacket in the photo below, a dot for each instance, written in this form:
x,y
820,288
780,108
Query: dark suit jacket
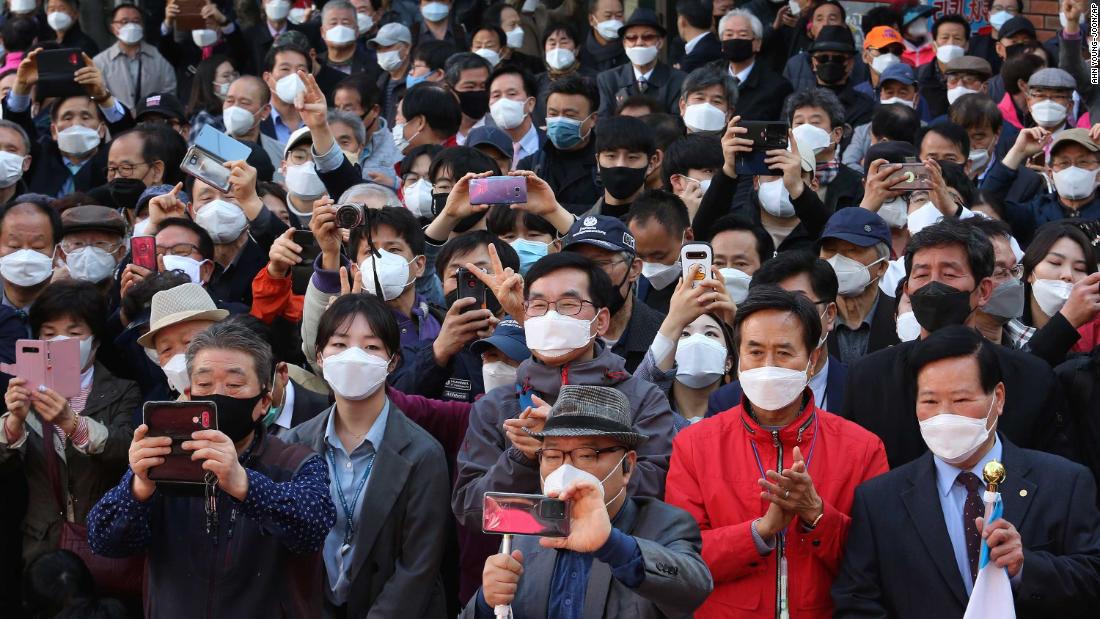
x,y
402,521
1027,185
618,83
761,96
258,40
933,88
881,398
307,405
1051,502
707,50
884,330
845,190
728,396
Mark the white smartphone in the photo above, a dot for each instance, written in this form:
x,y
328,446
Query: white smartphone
x,y
696,253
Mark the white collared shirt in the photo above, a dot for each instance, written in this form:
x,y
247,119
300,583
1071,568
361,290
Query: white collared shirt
x,y
744,74
690,45
528,145
639,77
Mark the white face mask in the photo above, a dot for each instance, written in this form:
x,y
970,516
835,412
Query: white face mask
x,y
1075,183
918,28
288,87
978,158
130,33
515,37
1048,114
393,274
21,6
340,35
661,276
700,361
559,58
238,121
737,283
998,19
775,199
399,139
947,53
641,56
90,264
435,11
59,21
553,335
176,373
277,9
224,221
908,329
418,198
565,475
852,276
609,29
77,140
389,60
1051,294
704,117
508,113
884,61
86,345
364,21
355,374
955,438
795,7
771,387
26,267
906,102
297,16
958,91
809,136
490,56
204,37
302,181
190,266
895,212
221,91
11,168
497,374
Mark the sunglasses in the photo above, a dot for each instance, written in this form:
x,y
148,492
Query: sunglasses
x,y
838,58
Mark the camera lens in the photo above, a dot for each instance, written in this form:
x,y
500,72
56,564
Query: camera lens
x,y
349,215
552,509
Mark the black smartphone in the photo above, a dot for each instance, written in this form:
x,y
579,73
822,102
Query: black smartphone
x,y
56,68
470,286
301,272
765,136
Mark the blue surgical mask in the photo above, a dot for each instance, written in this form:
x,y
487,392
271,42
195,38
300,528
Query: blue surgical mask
x,y
564,133
529,252
272,415
412,80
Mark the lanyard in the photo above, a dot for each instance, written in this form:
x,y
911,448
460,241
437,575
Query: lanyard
x,y
349,532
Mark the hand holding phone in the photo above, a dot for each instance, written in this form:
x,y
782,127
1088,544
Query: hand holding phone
x,y
143,252
44,363
524,514
469,285
301,273
177,421
696,254
498,190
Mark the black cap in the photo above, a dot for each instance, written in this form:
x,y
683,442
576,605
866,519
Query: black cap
x,y
834,39
642,17
601,231
164,104
894,152
1016,25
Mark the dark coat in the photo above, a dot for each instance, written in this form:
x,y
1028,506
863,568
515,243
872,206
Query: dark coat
x,y
1080,380
761,96
1050,501
307,405
259,40
728,396
1026,215
706,51
933,88
602,58
573,175
618,84
884,331
845,190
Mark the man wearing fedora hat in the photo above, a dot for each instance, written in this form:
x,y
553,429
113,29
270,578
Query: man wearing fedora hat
x,y
624,555
91,242
833,59
177,315
643,38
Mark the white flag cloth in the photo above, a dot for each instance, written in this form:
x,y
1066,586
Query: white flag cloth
x,y
992,595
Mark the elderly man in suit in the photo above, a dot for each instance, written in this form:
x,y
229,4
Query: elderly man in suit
x,y
624,556
643,37
929,511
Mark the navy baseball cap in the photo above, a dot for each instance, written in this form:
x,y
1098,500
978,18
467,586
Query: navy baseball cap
x,y
898,72
508,338
601,231
491,136
858,226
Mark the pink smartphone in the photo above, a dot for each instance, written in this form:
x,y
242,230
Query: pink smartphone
x,y
524,514
53,364
143,251
498,190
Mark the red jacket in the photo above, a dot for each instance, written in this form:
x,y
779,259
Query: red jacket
x,y
713,476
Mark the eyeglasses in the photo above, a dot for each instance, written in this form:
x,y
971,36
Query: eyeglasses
x,y
1053,96
565,307
606,265
123,169
1003,273
182,250
582,456
69,246
1085,163
839,58
648,39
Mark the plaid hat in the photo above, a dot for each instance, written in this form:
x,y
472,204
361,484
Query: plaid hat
x,y
391,34
183,303
834,39
969,64
1017,25
1051,78
898,72
491,136
881,36
858,226
584,410
165,104
508,338
601,231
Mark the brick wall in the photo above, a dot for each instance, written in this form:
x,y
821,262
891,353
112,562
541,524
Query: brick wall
x,y
1044,14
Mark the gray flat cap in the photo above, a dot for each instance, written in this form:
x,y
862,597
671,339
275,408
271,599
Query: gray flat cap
x,y
1051,78
583,410
970,64
391,34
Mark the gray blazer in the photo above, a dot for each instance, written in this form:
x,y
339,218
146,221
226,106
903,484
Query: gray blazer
x,y
402,522
677,580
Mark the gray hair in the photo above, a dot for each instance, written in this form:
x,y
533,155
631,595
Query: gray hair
x,y
882,250
351,120
388,197
463,61
754,22
815,97
230,336
7,124
336,5
707,76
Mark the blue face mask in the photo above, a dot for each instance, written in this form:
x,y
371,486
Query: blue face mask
x,y
564,133
272,415
529,253
412,80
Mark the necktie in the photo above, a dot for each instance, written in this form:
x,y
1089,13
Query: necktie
x,y
643,84
972,509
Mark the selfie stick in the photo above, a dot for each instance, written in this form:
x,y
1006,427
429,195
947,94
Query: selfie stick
x,y
504,611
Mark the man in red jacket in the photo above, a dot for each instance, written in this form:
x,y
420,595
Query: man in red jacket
x,y
771,481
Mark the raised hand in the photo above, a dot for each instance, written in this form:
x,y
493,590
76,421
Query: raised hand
x,y
505,284
283,255
166,205
91,79
530,420
732,145
219,456
1029,143
145,453
459,328
26,75
880,178
327,233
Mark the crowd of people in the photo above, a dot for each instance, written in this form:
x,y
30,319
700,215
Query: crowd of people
x,y
277,210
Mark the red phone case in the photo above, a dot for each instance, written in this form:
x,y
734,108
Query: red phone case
x,y
143,250
178,420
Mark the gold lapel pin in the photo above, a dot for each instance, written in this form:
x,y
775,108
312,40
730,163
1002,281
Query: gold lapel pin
x,y
1023,493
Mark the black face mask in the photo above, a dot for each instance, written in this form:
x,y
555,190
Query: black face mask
x,y
234,414
125,192
622,182
474,103
830,72
737,50
938,305
439,200
617,298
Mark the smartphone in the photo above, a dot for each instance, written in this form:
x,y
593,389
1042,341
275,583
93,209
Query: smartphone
x,y
301,273
765,136
190,16
696,253
470,286
56,68
52,364
177,421
914,176
143,252
524,514
206,159
498,190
